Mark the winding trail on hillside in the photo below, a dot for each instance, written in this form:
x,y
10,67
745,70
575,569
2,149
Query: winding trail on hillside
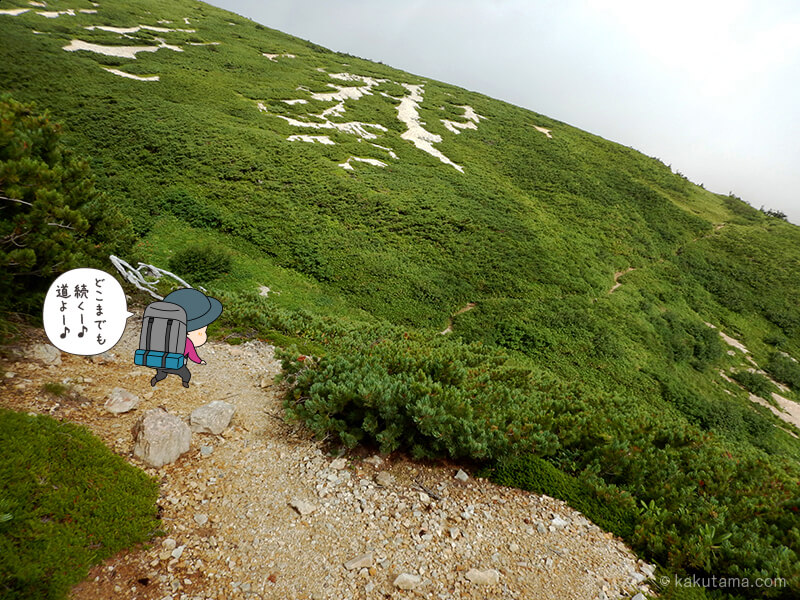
x,y
449,328
227,504
678,251
617,275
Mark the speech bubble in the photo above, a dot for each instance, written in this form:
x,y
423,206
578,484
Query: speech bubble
x,y
85,312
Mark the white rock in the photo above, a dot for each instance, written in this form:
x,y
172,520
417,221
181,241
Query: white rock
x,y
407,581
46,354
201,519
462,476
121,401
638,596
488,577
302,507
339,464
559,522
178,552
374,460
359,562
160,438
169,544
214,417
385,479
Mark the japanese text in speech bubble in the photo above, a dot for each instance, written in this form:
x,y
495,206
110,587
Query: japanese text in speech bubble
x,y
85,312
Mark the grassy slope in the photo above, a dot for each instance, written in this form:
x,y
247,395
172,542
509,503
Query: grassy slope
x,y
71,502
533,230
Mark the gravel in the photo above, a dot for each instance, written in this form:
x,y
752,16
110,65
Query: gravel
x,y
269,514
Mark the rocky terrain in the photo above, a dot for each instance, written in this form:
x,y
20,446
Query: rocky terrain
x,y
261,510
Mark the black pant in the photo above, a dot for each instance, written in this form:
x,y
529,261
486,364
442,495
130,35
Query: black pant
x,y
183,372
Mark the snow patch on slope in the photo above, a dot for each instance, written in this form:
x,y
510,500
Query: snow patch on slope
x,y
118,51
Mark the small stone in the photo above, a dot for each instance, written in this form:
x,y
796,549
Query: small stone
x,y
488,577
359,562
245,587
385,479
559,522
46,354
201,519
424,498
103,357
541,528
178,552
121,401
339,464
455,532
513,547
407,581
169,544
213,417
638,596
206,450
302,507
462,476
265,382
374,460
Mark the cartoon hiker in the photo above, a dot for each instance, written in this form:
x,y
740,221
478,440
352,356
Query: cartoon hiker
x,y
172,330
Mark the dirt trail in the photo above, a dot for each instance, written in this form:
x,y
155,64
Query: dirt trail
x,y
227,502
617,275
449,328
678,251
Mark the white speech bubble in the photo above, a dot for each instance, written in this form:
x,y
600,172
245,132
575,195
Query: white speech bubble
x,y
85,312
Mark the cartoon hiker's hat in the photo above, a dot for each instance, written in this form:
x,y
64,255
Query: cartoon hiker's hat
x,y
200,309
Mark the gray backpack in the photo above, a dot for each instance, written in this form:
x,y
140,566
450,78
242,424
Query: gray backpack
x,y
163,338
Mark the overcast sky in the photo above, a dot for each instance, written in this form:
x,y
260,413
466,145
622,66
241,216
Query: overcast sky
x,y
709,87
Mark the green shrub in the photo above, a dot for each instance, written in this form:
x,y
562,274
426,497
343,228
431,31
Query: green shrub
x,y
55,389
608,508
189,209
52,219
71,501
784,369
201,264
755,383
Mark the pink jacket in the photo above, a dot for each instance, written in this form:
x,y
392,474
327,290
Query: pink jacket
x,y
191,352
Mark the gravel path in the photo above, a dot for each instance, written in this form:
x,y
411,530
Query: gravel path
x,y
261,511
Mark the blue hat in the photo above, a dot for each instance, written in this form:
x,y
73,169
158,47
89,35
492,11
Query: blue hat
x,y
200,309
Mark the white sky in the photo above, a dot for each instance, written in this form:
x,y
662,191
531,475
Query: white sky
x,y
711,87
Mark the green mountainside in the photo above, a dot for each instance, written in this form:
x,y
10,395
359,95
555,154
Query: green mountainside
x,y
474,280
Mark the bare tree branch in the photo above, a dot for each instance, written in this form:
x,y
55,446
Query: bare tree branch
x,y
15,200
62,226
